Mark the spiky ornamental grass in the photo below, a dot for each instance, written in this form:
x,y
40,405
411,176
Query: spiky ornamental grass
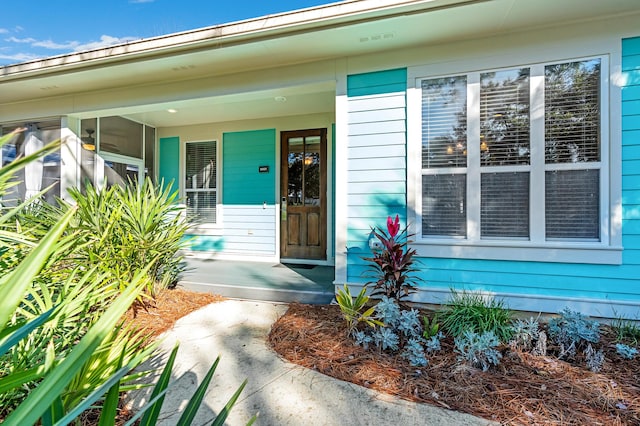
x,y
467,311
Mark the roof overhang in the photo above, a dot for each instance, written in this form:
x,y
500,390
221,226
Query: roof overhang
x,y
338,30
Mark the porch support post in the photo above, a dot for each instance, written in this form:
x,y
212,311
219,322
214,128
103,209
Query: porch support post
x,y
340,146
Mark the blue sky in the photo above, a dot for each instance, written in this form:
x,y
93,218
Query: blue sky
x,y
32,29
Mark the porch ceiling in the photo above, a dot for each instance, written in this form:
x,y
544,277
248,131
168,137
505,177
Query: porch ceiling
x,y
325,36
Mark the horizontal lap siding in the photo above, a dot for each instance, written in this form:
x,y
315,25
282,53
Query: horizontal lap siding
x,y
530,279
631,154
248,225
376,156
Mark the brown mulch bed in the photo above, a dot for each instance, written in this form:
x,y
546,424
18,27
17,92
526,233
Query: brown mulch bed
x,y
168,306
523,390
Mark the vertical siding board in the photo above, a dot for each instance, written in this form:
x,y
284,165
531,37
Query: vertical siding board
x,y
168,161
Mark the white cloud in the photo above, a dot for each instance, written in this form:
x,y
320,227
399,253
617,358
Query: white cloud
x,y
18,28
3,30
20,40
104,41
19,57
48,44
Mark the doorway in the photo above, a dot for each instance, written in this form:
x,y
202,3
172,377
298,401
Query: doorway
x,y
303,190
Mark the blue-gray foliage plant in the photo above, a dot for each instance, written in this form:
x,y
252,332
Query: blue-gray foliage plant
x,y
525,334
414,352
433,342
402,331
573,331
626,351
478,349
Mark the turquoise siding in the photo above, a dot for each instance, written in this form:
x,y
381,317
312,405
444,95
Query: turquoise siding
x,y
248,219
375,83
168,165
546,281
242,154
376,176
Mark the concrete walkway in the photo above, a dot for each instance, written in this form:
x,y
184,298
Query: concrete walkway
x,y
282,393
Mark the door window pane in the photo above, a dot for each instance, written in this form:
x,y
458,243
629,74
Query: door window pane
x,y
311,176
295,160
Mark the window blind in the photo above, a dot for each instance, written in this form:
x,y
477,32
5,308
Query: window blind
x,y
504,117
200,181
444,122
444,211
504,205
572,112
572,204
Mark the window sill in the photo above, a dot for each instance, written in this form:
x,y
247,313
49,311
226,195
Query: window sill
x,y
520,251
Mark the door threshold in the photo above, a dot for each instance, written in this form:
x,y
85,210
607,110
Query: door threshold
x,y
316,262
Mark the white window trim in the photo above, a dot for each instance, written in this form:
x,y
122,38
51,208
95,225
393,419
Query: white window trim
x,y
606,251
203,228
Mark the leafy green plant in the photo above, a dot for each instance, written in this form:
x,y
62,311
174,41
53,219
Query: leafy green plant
x,y
126,228
61,350
626,331
352,309
431,327
478,349
392,266
467,311
572,331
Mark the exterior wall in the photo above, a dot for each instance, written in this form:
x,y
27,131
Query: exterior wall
x,y
600,290
248,214
376,157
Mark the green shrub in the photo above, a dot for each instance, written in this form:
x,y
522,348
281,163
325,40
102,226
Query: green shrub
x,y
61,349
626,331
352,309
129,228
466,311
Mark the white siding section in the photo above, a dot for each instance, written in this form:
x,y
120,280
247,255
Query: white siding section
x,y
376,162
249,229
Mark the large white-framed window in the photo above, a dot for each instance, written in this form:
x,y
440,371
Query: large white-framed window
x,y
200,183
514,163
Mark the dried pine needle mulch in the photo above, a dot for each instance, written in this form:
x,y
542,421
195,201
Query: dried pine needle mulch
x,y
166,308
523,390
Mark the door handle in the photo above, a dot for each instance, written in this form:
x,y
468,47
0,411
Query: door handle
x,y
283,209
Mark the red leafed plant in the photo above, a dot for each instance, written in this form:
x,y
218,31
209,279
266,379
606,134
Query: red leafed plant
x,y
391,266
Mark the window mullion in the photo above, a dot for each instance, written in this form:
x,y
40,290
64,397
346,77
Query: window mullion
x,y
473,157
537,185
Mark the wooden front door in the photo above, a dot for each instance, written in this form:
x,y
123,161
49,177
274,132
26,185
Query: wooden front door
x,y
303,190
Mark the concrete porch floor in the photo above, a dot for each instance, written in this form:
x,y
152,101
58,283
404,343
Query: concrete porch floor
x,y
266,281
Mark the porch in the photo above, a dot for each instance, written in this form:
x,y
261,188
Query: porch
x,y
267,281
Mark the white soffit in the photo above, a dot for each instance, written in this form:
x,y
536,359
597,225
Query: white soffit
x,y
336,30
